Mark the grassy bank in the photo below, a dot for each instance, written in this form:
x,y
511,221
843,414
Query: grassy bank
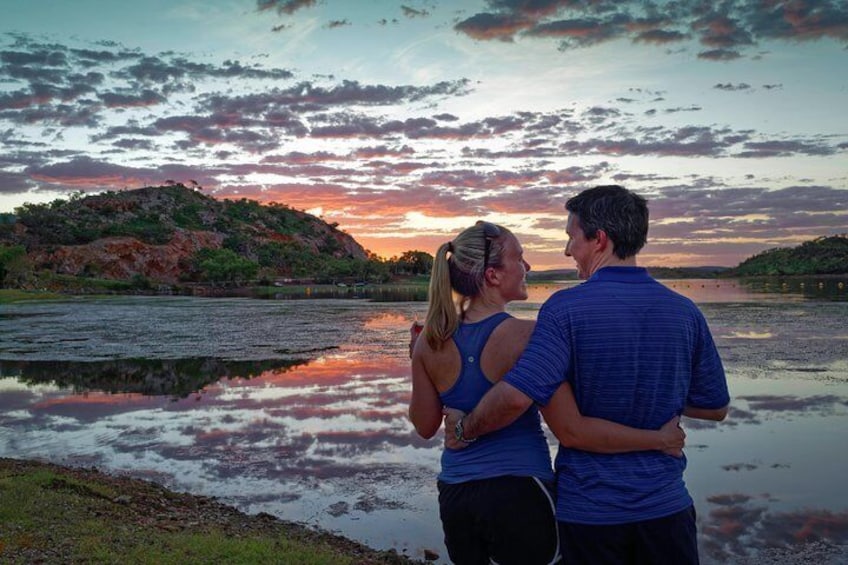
x,y
8,295
53,514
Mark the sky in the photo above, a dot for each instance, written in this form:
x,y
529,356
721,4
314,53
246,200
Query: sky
x,y
406,121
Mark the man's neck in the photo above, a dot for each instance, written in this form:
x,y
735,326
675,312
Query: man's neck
x,y
612,260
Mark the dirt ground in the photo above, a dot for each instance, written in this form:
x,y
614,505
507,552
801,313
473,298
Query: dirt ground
x,y
146,504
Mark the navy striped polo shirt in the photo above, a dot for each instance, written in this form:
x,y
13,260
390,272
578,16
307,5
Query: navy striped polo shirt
x,y
635,352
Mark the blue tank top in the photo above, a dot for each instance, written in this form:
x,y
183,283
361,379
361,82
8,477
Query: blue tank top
x,y
519,449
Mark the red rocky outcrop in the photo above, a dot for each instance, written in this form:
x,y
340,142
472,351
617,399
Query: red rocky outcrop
x,y
122,258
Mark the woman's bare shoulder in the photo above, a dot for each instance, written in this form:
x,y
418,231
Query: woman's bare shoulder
x,y
519,328
513,333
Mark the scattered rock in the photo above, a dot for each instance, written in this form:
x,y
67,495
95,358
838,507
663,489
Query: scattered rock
x,y
339,508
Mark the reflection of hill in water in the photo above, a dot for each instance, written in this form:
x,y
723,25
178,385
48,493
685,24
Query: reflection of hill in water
x,y
834,288
172,377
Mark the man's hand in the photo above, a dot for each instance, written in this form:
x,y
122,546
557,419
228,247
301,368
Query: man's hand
x,y
673,437
414,332
452,416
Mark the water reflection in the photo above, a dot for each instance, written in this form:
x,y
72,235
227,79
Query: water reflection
x,y
327,441
830,288
172,377
818,288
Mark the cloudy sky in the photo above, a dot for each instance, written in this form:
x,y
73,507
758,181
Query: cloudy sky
x,y
405,121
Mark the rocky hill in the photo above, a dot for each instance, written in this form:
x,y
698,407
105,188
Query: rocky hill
x,y
170,234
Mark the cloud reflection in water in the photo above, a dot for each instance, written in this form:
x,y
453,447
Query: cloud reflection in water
x,y
327,441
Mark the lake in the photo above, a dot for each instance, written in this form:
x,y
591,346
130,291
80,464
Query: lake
x,y
297,408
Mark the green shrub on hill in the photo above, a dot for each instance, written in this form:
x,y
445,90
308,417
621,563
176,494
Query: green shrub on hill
x,y
821,256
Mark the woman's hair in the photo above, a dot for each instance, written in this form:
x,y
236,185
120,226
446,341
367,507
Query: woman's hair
x,y
459,275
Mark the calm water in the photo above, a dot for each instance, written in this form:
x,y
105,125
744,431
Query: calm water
x,y
298,408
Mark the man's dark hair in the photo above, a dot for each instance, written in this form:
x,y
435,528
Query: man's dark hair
x,y
620,213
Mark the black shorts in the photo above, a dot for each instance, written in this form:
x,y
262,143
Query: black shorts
x,y
668,540
502,520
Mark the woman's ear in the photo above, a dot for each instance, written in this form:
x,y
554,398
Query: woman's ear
x,y
492,276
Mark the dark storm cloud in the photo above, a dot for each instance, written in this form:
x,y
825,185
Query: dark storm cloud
x,y
354,93
781,206
49,89
85,114
332,24
719,55
14,183
284,6
413,13
784,148
132,128
659,36
162,70
688,141
730,87
91,57
85,170
128,99
681,109
493,26
722,28
133,144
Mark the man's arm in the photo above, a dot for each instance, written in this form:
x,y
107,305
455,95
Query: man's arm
x,y
708,397
715,414
498,408
540,370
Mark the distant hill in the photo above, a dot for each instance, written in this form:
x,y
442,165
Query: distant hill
x,y
170,234
821,256
552,275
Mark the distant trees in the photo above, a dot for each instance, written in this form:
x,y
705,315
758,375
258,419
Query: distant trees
x,y
412,262
821,256
223,265
15,268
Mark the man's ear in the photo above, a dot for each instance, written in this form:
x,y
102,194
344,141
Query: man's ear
x,y
602,240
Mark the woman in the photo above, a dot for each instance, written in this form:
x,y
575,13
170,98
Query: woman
x,y
495,496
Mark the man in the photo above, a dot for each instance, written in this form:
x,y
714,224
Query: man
x,y
634,352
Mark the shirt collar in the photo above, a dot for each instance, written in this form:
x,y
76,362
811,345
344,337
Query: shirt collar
x,y
621,274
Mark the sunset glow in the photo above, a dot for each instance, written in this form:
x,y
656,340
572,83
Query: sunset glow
x,y
405,122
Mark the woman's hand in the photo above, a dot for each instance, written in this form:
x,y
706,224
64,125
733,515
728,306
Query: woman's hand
x,y
673,437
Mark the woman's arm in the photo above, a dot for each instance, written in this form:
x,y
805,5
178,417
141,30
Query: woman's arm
x,y
603,436
425,406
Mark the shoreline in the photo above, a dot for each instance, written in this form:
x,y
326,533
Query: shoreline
x,y
145,509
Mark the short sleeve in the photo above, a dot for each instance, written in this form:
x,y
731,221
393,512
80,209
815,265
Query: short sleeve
x,y
708,387
542,367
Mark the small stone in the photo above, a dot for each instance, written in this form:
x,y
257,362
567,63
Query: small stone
x,y
430,555
123,499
